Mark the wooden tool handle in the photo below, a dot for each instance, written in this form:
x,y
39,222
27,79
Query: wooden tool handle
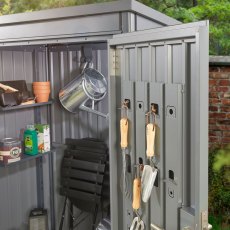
x,y
6,87
124,125
136,193
150,137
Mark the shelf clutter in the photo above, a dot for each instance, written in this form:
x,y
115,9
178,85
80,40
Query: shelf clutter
x,y
36,137
15,95
36,140
16,107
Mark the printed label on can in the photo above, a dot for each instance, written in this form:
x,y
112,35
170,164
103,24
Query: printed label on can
x,y
15,152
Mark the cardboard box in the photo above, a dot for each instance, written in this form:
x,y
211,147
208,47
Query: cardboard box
x,y
43,132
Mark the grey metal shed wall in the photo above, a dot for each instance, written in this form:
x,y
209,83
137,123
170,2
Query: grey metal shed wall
x,y
21,60
169,67
30,64
18,182
65,65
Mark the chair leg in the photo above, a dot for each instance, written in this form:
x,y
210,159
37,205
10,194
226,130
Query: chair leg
x,y
95,217
63,214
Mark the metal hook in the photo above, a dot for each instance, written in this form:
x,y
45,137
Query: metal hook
x,y
124,107
152,111
148,117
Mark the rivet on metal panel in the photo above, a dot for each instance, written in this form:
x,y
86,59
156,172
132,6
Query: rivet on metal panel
x,y
140,105
171,111
171,192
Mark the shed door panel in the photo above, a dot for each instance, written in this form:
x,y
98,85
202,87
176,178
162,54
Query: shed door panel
x,y
174,58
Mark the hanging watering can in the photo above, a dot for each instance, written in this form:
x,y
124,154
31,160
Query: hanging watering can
x,y
83,91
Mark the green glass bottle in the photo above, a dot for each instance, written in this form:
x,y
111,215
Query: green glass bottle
x,y
31,140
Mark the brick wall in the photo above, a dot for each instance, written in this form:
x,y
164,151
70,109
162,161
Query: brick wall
x,y
219,106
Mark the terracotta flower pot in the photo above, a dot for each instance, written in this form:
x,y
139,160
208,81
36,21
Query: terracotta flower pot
x,y
41,87
42,97
41,91
36,83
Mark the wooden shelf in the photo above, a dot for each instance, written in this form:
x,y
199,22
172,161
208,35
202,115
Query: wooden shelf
x,y
25,157
3,109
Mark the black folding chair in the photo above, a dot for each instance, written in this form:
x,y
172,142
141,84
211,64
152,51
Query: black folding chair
x,y
83,172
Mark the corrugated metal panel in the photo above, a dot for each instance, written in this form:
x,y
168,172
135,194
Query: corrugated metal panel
x,y
170,62
18,182
65,65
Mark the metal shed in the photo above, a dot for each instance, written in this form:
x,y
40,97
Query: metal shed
x,y
147,58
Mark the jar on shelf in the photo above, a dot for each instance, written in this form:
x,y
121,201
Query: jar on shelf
x,y
10,150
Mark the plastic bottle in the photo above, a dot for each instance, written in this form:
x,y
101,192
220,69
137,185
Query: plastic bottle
x,y
31,140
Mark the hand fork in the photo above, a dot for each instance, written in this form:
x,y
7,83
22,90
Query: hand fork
x,y
137,224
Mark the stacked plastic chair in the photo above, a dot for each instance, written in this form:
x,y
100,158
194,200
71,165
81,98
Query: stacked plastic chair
x,y
84,175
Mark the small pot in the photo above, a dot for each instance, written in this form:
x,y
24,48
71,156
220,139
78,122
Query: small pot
x,y
44,87
41,83
42,97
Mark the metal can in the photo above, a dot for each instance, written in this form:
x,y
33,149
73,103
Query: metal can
x,y
10,150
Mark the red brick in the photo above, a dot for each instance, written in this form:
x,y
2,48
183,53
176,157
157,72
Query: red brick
x,y
214,127
219,69
214,101
220,127
212,121
219,89
225,109
215,133
226,140
225,101
213,108
224,89
214,69
221,75
214,139
224,127
213,95
226,133
213,82
223,82
217,115
224,122
225,69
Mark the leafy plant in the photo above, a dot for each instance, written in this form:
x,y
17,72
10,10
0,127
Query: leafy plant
x,y
219,191
217,12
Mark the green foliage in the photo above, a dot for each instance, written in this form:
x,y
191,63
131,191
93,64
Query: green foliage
x,y
216,222
18,6
222,159
219,192
217,12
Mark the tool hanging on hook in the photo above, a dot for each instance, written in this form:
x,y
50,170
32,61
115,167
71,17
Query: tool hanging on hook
x,y
137,223
124,125
150,132
149,173
124,128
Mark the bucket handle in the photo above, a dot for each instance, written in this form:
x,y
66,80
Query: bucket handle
x,y
84,107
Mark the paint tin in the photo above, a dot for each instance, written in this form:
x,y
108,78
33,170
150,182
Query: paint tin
x,y
10,150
